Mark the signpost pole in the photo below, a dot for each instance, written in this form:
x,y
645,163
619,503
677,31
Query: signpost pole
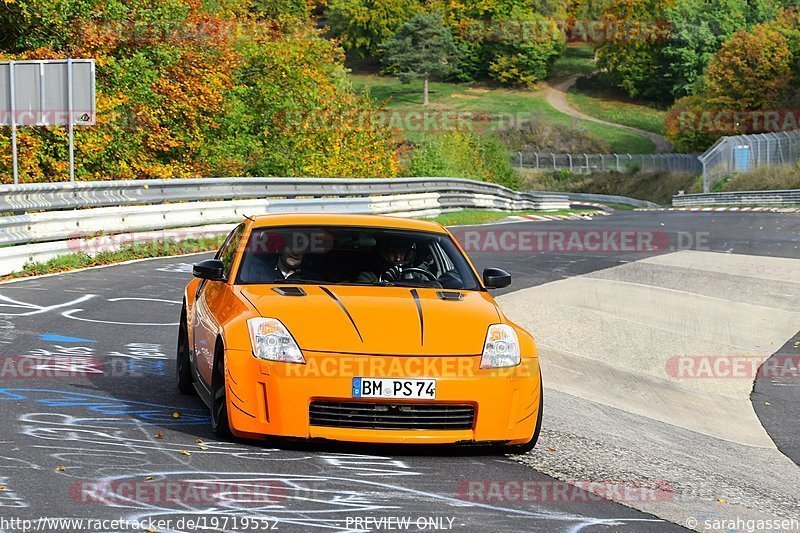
x,y
71,124
13,97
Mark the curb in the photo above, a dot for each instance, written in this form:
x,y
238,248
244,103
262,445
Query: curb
x,y
728,209
549,218
601,207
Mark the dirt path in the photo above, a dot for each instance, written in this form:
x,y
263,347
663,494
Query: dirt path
x,y
556,95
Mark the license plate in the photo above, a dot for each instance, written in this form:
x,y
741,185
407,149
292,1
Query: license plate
x,y
394,388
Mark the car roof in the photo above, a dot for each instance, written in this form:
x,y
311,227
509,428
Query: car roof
x,y
339,219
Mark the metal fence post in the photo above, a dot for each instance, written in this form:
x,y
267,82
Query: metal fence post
x,y
13,102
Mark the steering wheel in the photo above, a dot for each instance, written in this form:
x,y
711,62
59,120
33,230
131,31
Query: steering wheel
x,y
415,270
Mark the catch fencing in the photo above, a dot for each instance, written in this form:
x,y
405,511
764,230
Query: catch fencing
x,y
743,153
589,163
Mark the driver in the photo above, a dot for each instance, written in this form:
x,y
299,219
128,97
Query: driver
x,y
289,262
395,254
269,267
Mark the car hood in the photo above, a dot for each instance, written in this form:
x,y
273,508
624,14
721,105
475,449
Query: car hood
x,y
379,320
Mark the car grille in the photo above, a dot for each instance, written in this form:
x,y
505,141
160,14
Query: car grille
x,y
391,415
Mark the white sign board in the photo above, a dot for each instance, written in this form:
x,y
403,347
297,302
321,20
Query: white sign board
x,y
58,92
47,93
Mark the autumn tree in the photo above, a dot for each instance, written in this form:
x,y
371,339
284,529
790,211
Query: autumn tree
x,y
752,71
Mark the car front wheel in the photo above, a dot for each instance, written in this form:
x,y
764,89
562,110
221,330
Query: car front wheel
x,y
219,403
185,380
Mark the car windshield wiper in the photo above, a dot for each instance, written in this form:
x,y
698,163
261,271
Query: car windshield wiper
x,y
296,282
416,284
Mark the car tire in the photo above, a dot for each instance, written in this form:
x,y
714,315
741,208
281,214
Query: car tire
x,y
219,400
185,380
520,449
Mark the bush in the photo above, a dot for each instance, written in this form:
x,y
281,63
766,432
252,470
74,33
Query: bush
x,y
463,155
690,125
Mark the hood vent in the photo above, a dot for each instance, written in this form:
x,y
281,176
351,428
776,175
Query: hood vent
x,y
289,291
450,296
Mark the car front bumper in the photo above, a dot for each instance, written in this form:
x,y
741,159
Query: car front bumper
x,y
273,398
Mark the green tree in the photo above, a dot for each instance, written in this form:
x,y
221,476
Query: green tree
x,y
422,48
668,59
698,30
528,53
635,60
364,25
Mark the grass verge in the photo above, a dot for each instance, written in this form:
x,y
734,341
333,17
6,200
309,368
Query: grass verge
x,y
576,59
131,252
607,103
467,217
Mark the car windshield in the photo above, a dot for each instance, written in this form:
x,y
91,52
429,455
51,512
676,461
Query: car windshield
x,y
354,256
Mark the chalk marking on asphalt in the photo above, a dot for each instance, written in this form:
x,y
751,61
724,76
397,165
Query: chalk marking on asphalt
x,y
38,309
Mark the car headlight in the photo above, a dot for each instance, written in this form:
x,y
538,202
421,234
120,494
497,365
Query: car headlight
x,y
501,348
272,341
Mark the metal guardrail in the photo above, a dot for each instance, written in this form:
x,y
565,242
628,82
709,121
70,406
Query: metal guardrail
x,y
59,196
609,198
788,198
50,212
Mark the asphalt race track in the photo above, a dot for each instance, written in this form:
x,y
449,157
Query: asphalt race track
x,y
119,441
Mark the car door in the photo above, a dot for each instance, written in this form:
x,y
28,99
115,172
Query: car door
x,y
210,295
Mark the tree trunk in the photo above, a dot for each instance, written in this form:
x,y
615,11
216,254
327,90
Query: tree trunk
x,y
425,100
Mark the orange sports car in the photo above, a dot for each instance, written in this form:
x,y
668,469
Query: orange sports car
x,y
356,328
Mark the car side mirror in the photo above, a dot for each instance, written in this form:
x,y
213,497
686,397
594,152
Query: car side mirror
x,y
210,269
494,278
